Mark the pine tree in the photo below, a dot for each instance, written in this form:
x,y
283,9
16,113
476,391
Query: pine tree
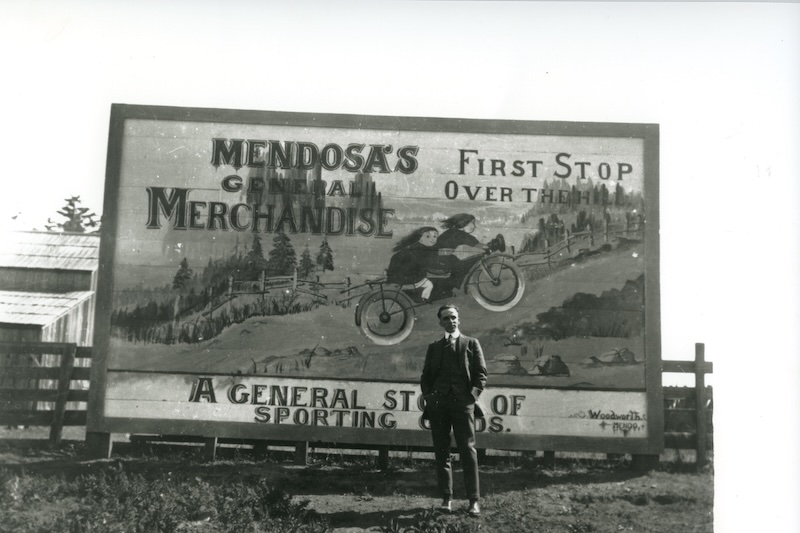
x,y
78,218
183,277
282,257
325,256
307,266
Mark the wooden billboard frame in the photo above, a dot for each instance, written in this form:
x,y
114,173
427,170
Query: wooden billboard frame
x,y
99,426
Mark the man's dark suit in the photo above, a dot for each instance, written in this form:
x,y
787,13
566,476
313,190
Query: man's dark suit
x,y
452,388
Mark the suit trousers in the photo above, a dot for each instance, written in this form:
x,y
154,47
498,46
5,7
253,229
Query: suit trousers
x,y
446,413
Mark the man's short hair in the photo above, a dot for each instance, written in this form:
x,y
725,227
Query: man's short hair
x,y
446,306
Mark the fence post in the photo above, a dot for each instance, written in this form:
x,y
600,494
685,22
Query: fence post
x,y
261,450
210,448
566,238
98,445
301,453
700,399
65,375
383,457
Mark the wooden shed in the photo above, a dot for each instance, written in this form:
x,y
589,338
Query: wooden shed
x,y
48,283
47,287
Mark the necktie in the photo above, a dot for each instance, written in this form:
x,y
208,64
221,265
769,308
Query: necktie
x,y
452,341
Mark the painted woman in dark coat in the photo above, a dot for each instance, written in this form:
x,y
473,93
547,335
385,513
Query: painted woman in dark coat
x,y
414,256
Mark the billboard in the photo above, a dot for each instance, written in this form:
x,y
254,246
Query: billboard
x,y
277,276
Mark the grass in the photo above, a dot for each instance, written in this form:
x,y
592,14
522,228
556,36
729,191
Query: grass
x,y
116,500
161,488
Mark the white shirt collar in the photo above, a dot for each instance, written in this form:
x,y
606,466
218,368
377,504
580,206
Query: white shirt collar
x,y
456,334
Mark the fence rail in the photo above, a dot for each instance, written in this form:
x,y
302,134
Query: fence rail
x,y
32,373
688,411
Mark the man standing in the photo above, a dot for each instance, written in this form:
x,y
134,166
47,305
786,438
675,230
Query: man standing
x,y
453,378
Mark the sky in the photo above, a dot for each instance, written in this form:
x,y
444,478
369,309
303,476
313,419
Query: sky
x,y
720,79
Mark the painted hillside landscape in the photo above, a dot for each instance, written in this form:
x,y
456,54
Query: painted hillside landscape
x,y
286,304
327,253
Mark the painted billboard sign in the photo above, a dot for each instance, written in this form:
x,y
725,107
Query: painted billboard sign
x,y
277,276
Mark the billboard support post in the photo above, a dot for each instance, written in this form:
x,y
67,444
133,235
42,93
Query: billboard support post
x,y
98,445
301,453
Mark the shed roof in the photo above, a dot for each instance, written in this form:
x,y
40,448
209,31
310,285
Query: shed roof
x,y
37,308
53,251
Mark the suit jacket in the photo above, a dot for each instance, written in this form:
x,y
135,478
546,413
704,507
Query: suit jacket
x,y
471,361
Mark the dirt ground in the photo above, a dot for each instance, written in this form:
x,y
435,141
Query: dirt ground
x,y
521,494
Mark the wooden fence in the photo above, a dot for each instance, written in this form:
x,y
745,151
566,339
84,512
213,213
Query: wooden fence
x,y
687,410
33,373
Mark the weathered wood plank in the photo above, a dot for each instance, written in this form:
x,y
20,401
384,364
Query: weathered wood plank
x,y
34,348
67,363
41,395
700,403
40,418
644,462
98,445
301,453
210,448
686,367
686,441
682,420
680,393
383,457
31,372
42,372
83,352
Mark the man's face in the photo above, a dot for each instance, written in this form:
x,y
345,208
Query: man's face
x,y
449,320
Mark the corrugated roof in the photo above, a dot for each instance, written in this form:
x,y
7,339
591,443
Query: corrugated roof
x,y
37,308
57,251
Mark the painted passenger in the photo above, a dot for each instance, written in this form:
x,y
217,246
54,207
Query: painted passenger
x,y
414,256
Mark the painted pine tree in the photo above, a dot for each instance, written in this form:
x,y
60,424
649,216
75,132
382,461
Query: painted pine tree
x,y
183,277
325,256
307,266
282,257
256,263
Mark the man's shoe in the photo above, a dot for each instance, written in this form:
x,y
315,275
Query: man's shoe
x,y
474,509
447,505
